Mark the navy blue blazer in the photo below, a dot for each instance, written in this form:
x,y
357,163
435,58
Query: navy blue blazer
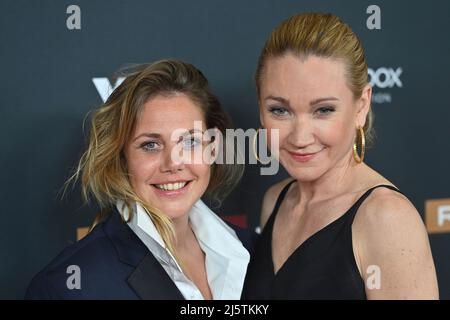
x,y
114,264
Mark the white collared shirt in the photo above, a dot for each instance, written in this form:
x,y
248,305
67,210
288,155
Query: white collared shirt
x,y
226,259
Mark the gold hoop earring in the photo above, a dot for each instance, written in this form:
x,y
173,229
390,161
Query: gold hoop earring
x,y
359,158
254,147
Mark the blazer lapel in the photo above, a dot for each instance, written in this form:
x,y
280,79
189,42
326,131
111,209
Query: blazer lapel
x,y
149,279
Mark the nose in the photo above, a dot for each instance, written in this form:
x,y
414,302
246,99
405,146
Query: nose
x,y
172,162
301,134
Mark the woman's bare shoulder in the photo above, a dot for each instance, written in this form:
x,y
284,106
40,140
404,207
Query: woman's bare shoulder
x,y
389,233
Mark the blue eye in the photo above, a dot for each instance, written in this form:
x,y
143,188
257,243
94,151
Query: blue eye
x,y
325,110
190,142
150,146
278,111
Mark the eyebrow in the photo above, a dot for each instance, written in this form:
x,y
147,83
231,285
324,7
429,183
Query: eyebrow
x,y
313,102
158,136
279,99
319,100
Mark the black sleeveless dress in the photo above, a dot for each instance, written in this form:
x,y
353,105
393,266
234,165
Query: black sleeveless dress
x,y
322,267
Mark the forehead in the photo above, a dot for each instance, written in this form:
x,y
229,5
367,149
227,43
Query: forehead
x,y
298,79
164,113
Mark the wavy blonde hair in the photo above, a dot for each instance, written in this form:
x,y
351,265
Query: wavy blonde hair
x,y
323,35
102,169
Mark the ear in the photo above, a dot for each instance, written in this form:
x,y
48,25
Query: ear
x,y
363,106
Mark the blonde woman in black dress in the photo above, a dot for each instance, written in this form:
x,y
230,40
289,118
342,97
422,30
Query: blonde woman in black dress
x,y
336,229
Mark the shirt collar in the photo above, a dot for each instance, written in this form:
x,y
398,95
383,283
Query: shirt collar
x,y
226,257
209,229
213,232
145,229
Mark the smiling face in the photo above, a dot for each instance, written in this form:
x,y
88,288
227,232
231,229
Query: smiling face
x,y
171,186
309,102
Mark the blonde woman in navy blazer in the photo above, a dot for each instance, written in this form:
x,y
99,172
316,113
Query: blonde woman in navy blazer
x,y
156,238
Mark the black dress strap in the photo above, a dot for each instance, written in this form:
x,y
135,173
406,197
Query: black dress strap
x,y
278,203
354,209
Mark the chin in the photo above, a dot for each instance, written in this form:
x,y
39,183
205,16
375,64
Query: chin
x,y
175,209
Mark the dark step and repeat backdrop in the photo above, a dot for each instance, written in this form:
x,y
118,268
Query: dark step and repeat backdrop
x,y
58,59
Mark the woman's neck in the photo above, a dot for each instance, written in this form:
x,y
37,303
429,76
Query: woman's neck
x,y
337,180
184,235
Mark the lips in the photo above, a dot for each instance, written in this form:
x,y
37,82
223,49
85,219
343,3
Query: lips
x,y
171,189
303,157
171,186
